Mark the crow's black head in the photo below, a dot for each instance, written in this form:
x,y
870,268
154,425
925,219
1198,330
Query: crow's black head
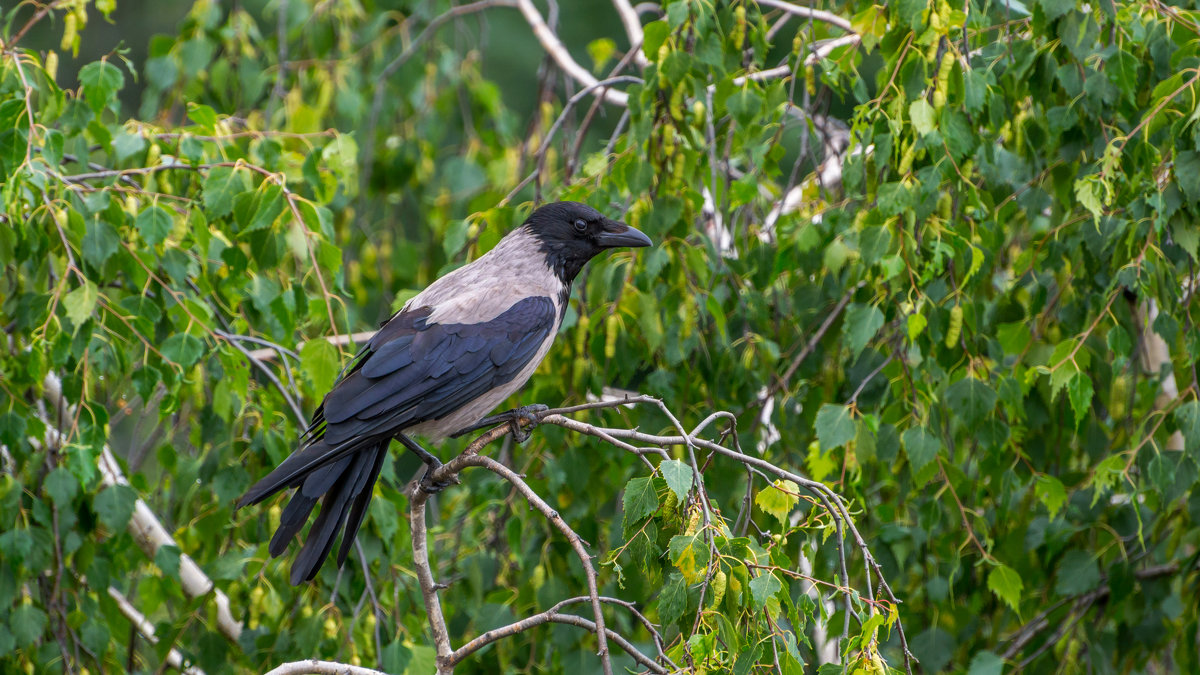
x,y
570,234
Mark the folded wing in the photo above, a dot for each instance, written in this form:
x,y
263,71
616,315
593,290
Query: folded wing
x,y
411,371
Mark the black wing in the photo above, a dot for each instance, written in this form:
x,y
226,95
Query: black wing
x,y
410,372
418,371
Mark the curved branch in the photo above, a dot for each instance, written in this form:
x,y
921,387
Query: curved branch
x,y
809,13
633,28
448,472
145,527
146,629
557,51
553,615
321,668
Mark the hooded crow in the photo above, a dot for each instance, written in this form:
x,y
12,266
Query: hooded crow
x,y
452,354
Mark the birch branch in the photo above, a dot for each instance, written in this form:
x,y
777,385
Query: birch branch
x,y
146,629
633,29
144,525
321,668
557,51
1155,357
448,472
808,13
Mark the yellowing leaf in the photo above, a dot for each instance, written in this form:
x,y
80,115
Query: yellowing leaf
x,y
689,553
778,499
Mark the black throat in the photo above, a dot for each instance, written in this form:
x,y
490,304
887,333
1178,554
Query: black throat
x,y
565,258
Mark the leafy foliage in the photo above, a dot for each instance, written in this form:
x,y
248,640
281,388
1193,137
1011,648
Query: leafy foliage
x,y
968,309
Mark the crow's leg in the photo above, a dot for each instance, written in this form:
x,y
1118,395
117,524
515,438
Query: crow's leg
x,y
432,464
527,413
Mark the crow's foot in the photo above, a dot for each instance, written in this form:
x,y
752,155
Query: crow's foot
x,y
427,484
531,414
432,464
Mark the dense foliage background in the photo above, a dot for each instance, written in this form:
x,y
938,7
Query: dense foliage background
x,y
938,255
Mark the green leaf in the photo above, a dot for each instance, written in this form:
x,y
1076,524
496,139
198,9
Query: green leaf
x,y
26,624
62,486
1050,491
861,324
1079,391
920,446
183,349
114,505
259,209
639,501
101,81
1087,191
100,242
985,663
762,587
908,13
1078,573
778,499
1187,172
934,647
744,105
601,50
672,600
916,325
220,186
396,656
81,302
654,34
971,400
834,426
1055,8
319,363
202,115
154,224
923,117
1187,418
167,560
678,476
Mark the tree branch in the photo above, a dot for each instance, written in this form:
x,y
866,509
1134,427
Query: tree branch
x,y
557,51
448,472
145,527
633,29
321,668
146,629
809,13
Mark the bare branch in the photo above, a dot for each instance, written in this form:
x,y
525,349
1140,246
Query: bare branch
x,y
553,615
272,352
545,145
448,472
633,28
429,588
146,629
557,51
321,668
809,13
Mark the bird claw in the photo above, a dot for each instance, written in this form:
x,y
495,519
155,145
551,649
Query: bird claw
x,y
527,413
429,486
531,414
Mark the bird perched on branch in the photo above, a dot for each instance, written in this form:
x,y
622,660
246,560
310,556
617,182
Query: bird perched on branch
x,y
452,354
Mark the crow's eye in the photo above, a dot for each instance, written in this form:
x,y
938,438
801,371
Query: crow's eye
x,y
580,225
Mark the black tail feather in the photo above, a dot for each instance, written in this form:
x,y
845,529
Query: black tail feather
x,y
362,499
342,478
296,469
333,514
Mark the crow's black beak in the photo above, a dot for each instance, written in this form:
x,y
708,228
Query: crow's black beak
x,y
617,235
